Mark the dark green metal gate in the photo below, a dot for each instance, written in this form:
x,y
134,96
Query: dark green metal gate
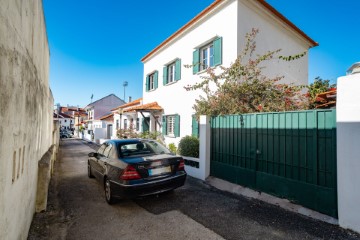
x,y
289,154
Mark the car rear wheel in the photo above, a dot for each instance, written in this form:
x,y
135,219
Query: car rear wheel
x,y
90,175
108,194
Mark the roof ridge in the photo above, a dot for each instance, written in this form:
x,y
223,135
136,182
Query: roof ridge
x,y
213,6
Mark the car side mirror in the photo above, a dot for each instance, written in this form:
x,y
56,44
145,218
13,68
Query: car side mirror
x,y
93,154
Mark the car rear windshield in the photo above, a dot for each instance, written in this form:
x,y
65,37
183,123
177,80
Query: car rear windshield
x,y
141,148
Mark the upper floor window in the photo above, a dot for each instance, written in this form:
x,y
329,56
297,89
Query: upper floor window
x,y
172,72
208,55
152,81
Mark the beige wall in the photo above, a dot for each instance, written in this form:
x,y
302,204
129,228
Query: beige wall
x,y
25,111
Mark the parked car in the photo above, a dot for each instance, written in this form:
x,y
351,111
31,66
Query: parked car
x,y
130,168
65,134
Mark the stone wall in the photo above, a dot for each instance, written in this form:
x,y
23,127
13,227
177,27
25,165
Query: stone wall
x,y
26,102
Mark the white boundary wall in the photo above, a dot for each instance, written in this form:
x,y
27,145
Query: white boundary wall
x,y
348,151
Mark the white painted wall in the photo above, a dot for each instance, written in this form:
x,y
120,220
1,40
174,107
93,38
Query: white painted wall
x,y
99,133
128,117
273,35
204,152
174,99
348,151
26,112
231,21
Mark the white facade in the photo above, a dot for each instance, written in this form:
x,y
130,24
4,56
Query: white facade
x,y
230,20
348,151
67,123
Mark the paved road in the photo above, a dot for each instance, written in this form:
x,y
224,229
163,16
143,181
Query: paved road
x,y
77,210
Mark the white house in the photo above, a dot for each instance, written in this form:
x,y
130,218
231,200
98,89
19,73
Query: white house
x,y
212,38
65,121
136,116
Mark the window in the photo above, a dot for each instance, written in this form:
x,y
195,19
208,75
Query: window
x,y
152,81
208,55
171,125
125,123
137,124
107,150
117,124
101,149
172,72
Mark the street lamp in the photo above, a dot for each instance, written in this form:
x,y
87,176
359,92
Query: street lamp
x,y
125,84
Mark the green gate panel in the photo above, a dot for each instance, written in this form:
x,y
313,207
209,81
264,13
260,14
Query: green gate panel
x,y
311,196
288,154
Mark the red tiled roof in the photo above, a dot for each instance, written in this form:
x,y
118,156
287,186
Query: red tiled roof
x,y
109,116
145,107
135,102
214,5
61,115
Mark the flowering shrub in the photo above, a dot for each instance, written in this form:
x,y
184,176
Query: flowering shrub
x,y
243,88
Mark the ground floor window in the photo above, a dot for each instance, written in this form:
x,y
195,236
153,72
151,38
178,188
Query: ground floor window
x,y
171,125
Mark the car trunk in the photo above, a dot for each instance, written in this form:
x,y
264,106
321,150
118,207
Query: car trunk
x,y
156,166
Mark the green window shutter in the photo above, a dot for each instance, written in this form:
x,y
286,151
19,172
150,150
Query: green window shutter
x,y
177,126
147,83
156,79
195,127
196,61
164,126
178,70
218,51
165,75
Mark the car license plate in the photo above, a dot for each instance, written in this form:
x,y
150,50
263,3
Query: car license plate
x,y
156,171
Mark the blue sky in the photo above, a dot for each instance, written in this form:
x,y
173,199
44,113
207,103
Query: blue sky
x,y
97,45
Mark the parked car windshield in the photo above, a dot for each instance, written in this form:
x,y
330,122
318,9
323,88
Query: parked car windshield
x,y
141,148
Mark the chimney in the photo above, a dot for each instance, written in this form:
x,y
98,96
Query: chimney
x,y
130,99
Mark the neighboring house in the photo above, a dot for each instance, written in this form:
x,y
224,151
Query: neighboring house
x,y
108,121
77,114
97,128
65,121
126,118
215,37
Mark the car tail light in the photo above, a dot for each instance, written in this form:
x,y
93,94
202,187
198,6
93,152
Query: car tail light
x,y
130,173
181,166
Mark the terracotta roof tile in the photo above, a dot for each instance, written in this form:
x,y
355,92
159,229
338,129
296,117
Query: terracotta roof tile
x,y
145,107
108,116
135,102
